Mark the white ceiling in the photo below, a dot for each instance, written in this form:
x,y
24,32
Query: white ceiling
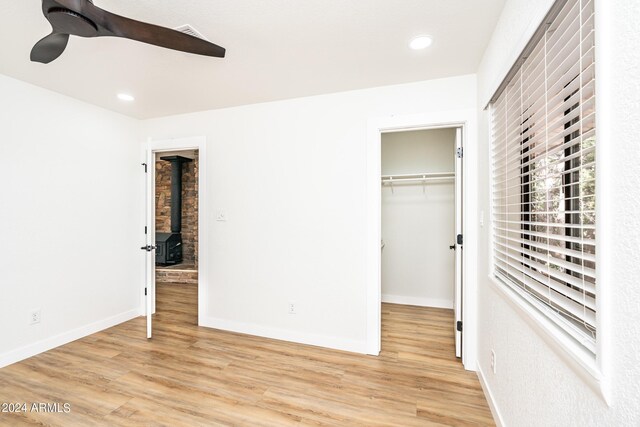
x,y
276,49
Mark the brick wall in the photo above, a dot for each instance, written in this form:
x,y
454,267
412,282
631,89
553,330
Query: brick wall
x,y
174,276
189,205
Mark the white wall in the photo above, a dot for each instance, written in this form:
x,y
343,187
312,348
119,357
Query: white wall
x,y
291,176
418,221
71,219
534,385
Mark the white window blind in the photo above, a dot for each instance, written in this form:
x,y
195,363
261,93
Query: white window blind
x,y
543,170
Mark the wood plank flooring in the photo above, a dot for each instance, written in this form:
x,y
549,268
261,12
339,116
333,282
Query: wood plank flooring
x,y
191,376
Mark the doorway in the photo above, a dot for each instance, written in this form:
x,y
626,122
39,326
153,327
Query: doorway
x,y
466,121
420,220
174,270
176,231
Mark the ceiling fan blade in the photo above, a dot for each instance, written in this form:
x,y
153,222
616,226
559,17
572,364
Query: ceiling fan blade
x,y
49,48
110,24
160,36
82,18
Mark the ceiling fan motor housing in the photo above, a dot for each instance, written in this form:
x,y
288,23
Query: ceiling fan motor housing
x,y
69,22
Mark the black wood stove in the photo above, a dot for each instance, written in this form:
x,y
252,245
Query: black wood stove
x,y
169,245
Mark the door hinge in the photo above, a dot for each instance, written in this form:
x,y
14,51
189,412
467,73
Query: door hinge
x,y
459,239
145,292
145,167
145,229
459,152
458,325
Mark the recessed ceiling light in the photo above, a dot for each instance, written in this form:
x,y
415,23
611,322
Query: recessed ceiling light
x,y
421,42
126,97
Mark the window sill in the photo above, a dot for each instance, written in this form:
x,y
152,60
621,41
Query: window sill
x,y
575,357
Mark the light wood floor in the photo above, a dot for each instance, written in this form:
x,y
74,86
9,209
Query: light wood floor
x,y
195,376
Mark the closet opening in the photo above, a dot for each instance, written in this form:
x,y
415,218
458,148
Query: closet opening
x,y
421,244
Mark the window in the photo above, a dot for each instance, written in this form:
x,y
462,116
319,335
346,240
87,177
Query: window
x,y
544,169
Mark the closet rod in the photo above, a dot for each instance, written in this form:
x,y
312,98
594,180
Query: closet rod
x,y
425,180
418,177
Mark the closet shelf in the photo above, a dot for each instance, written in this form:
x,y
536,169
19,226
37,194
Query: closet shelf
x,y
418,177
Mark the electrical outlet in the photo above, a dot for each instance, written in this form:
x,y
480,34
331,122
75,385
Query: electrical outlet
x,y
292,308
493,361
34,317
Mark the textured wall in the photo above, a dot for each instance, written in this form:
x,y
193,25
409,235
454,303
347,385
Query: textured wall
x,y
518,22
533,385
189,205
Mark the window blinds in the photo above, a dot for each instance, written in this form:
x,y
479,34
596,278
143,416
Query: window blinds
x,y
543,169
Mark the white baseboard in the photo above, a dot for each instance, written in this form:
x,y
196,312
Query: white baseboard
x,y
497,417
285,335
41,346
421,302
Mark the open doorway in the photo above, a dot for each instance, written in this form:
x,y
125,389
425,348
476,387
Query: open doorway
x,y
465,305
176,234
421,246
175,251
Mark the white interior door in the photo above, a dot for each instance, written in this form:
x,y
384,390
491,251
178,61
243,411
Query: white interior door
x,y
457,303
149,248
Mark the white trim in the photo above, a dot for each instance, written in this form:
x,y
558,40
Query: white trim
x,y
497,416
285,335
606,164
441,119
192,143
417,301
143,254
459,230
149,283
46,344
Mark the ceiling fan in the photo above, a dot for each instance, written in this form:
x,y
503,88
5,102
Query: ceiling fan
x,y
81,18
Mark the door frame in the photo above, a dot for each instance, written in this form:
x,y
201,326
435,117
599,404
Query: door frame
x,y
467,120
459,230
154,146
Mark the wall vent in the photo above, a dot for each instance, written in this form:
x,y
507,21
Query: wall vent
x,y
188,29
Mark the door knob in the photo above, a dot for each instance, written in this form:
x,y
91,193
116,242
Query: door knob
x,y
149,248
452,247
